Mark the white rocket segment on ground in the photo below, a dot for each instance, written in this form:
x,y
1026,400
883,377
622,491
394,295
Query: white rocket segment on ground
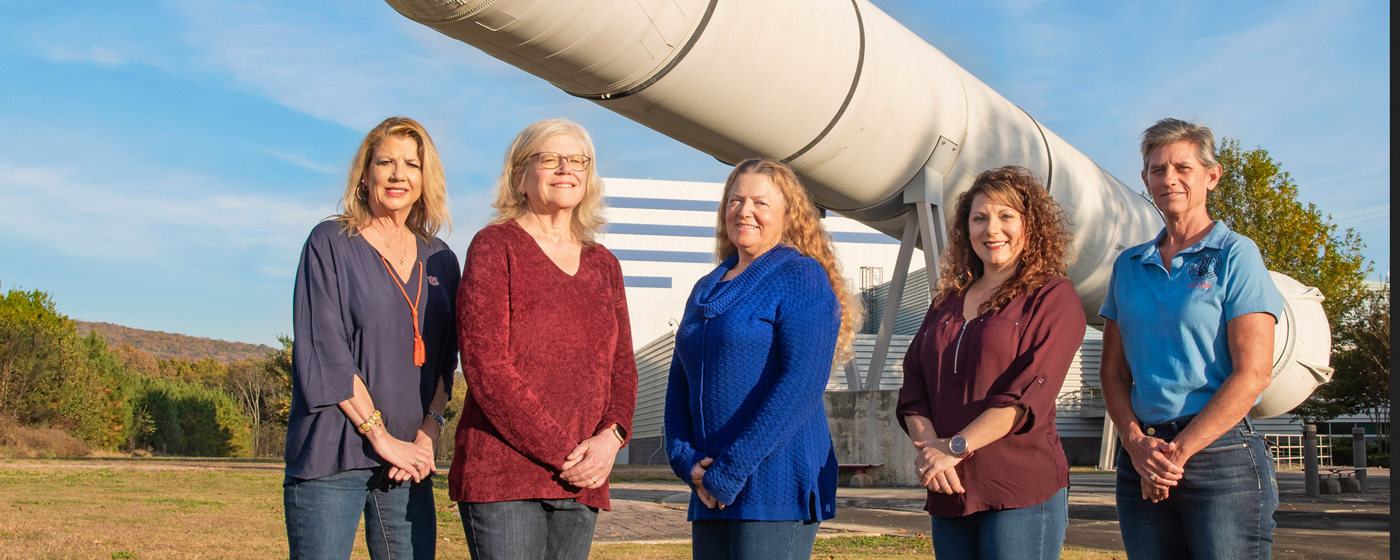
x,y
852,100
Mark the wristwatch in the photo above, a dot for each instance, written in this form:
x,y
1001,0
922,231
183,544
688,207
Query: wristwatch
x,y
958,445
617,431
438,418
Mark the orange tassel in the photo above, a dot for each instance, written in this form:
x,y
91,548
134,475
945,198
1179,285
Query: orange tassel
x,y
419,354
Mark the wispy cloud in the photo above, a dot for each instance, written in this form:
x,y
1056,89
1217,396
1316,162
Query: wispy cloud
x,y
114,221
304,162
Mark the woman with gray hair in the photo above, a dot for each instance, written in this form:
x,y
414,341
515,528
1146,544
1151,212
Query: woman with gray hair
x,y
542,320
1187,350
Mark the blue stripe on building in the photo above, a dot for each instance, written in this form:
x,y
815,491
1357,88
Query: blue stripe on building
x,y
664,256
655,229
661,203
858,237
646,281
709,232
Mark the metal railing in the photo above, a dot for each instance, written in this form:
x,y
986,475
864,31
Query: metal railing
x,y
1084,403
1288,450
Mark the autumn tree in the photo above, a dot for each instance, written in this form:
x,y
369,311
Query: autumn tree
x,y
1259,200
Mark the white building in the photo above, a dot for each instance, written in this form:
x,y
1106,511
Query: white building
x,y
664,234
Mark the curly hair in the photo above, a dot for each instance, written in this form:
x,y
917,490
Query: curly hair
x,y
430,214
802,231
1046,250
511,203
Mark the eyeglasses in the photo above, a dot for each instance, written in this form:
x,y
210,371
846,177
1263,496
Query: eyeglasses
x,y
552,160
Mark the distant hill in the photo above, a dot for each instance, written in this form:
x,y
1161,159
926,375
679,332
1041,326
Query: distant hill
x,y
163,345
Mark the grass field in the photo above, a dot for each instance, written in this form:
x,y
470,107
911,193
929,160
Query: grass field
x,y
210,508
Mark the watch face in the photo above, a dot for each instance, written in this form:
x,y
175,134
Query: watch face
x,y
957,445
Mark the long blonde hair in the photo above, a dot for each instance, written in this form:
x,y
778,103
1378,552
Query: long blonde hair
x,y
430,214
802,231
512,203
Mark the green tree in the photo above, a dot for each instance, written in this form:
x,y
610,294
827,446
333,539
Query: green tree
x,y
1259,200
35,345
49,376
1361,384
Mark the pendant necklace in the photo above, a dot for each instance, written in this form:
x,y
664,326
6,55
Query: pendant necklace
x,y
403,253
419,355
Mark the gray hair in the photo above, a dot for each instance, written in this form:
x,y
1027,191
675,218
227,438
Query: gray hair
x,y
1171,131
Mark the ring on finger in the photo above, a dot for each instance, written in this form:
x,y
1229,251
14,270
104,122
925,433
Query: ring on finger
x,y
1152,477
923,470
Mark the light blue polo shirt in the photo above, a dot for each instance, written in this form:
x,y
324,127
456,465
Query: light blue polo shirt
x,y
1173,323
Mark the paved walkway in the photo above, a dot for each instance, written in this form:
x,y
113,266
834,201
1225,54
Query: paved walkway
x,y
1340,526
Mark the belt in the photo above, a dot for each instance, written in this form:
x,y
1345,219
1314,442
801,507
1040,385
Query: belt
x,y
1169,429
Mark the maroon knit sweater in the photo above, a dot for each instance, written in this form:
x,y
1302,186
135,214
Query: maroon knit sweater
x,y
548,362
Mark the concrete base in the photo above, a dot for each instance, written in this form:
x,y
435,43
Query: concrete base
x,y
864,431
1330,486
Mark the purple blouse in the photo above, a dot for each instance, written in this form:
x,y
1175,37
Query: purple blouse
x,y
1017,355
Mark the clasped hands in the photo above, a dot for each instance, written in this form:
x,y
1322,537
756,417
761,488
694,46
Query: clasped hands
x,y
935,463
408,461
1158,463
697,481
590,463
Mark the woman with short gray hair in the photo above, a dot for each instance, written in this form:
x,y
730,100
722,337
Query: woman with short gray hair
x,y
1187,350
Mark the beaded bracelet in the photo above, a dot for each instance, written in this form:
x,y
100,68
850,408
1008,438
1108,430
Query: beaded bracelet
x,y
374,420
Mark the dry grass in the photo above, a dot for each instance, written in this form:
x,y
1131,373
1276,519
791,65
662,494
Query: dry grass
x,y
44,443
152,508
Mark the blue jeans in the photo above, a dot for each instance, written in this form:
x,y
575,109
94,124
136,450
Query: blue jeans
x,y
1034,532
742,539
1222,508
528,529
323,514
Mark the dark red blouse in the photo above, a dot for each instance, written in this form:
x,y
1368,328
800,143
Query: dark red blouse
x,y
1018,355
548,363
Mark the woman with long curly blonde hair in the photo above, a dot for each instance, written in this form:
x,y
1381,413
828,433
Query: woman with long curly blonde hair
x,y
984,369
745,424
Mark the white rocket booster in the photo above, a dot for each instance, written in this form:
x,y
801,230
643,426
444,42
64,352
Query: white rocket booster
x,y
870,115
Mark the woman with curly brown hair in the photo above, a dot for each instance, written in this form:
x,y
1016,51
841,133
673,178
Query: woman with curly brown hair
x,y
983,371
745,423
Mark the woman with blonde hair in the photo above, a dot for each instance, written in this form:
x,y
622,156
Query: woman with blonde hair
x,y
547,346
745,423
982,374
373,356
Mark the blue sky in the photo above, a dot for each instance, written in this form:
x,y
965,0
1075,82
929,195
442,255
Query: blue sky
x,y
162,162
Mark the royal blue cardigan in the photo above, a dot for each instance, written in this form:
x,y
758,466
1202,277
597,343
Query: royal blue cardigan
x,y
747,377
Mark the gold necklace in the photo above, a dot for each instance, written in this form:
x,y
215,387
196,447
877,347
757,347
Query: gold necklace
x,y
403,253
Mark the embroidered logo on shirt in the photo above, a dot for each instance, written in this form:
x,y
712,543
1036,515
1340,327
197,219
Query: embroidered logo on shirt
x,y
1205,268
1202,285
433,280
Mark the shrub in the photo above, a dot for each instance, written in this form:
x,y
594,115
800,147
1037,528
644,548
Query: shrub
x,y
190,419
24,441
